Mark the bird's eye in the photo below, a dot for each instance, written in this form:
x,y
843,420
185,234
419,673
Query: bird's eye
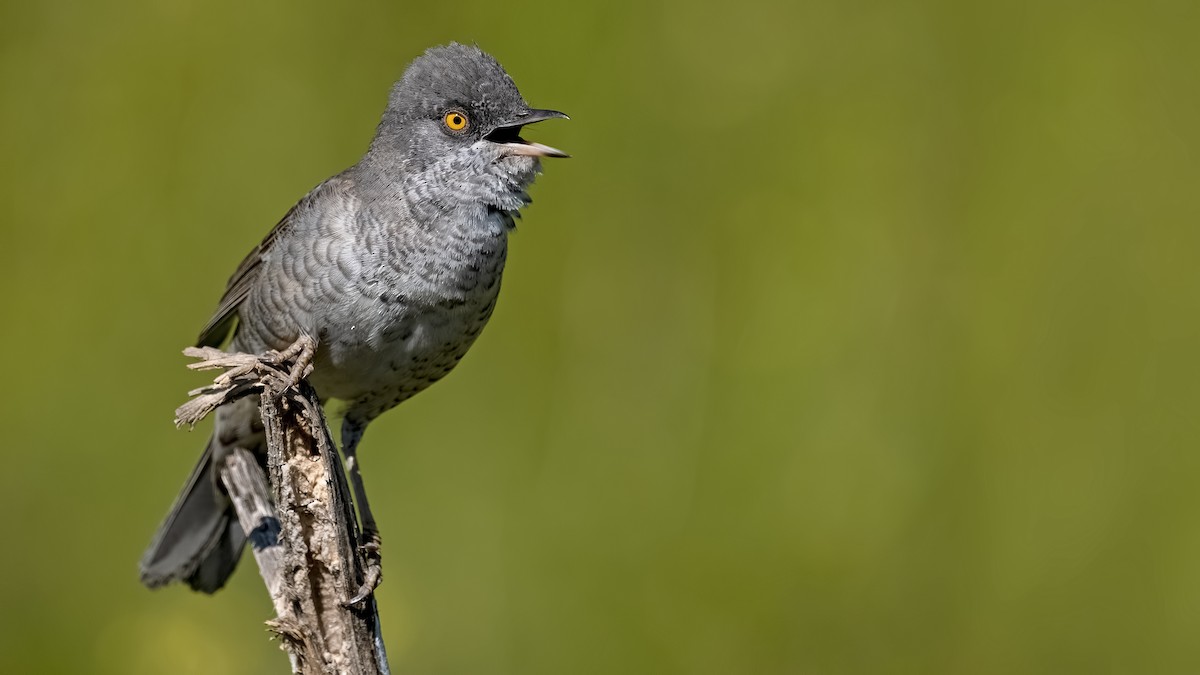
x,y
455,120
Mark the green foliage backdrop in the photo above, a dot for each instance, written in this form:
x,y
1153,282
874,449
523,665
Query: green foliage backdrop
x,y
858,337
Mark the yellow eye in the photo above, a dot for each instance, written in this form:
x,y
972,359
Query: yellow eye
x,y
455,120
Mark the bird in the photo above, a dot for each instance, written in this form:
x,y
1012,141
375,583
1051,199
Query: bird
x,y
391,268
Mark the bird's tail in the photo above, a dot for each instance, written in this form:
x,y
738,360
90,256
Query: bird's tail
x,y
200,541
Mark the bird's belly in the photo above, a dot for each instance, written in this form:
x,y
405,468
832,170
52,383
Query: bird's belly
x,y
396,356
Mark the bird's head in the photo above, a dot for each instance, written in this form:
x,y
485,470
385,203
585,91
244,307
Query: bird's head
x,y
453,130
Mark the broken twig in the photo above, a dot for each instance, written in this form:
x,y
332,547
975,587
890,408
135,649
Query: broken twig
x,y
303,532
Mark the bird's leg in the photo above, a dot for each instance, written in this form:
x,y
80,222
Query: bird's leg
x,y
352,431
301,354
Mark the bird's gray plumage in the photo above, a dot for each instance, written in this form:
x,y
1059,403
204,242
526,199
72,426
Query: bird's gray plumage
x,y
393,265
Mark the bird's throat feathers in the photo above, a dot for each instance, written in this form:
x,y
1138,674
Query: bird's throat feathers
x,y
482,181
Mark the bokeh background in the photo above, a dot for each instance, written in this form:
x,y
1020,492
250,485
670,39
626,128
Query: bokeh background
x,y
858,337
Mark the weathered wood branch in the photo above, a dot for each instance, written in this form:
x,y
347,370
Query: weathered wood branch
x,y
303,531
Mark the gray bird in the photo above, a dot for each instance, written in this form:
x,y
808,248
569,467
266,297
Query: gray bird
x,y
392,266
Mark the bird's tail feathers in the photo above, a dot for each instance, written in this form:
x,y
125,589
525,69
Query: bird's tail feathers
x,y
200,541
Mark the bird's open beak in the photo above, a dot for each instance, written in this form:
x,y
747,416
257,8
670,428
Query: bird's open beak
x,y
508,134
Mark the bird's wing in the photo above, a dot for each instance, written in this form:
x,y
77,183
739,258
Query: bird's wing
x,y
218,327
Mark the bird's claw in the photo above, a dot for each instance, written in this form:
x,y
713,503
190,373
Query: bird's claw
x,y
372,567
300,353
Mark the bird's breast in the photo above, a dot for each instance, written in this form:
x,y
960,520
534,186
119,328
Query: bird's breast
x,y
414,318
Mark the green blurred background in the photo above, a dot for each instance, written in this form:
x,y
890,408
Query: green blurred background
x,y
858,337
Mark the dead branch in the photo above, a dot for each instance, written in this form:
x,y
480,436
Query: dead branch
x,y
306,549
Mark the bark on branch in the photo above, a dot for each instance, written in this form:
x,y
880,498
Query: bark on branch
x,y
303,530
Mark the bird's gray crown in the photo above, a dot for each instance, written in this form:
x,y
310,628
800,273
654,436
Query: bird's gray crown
x,y
455,76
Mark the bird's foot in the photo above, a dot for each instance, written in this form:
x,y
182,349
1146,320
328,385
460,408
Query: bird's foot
x,y
300,354
372,566
272,373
